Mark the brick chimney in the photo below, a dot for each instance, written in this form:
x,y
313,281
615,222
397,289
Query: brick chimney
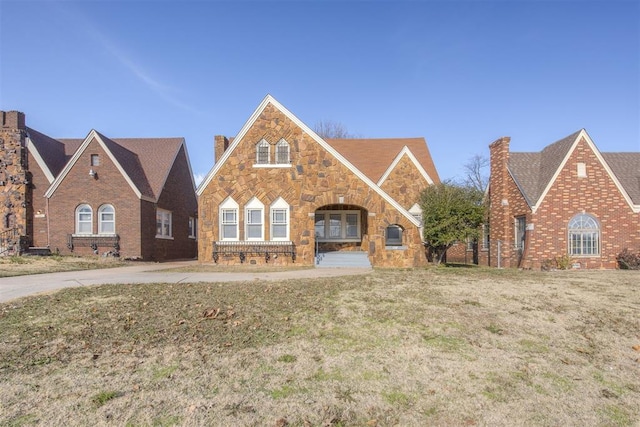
x,y
221,143
12,120
500,222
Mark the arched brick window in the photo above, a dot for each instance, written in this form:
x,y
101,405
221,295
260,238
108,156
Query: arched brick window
x,y
106,220
84,219
584,236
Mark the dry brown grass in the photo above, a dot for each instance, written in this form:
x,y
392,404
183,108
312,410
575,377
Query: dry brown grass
x,y
396,347
23,265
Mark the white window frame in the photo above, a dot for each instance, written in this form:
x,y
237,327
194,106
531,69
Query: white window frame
x,y
582,229
254,210
581,170
283,146
261,145
343,226
85,221
164,219
279,206
229,206
416,212
193,227
95,160
102,221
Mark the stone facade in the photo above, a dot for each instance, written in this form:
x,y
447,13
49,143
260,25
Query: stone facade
x,y
315,180
404,183
571,193
15,182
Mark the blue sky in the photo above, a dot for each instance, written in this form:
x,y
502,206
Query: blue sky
x,y
459,73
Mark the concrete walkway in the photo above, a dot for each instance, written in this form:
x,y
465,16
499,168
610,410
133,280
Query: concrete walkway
x,y
20,286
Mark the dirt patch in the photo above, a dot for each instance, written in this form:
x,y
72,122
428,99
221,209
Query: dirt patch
x,y
396,347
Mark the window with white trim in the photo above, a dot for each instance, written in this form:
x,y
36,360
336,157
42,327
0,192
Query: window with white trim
x,y
254,220
192,227
106,220
163,224
263,151
582,170
84,219
229,220
279,220
282,152
95,160
584,236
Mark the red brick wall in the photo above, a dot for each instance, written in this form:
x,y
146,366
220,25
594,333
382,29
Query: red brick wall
x,y
110,188
178,196
39,185
569,195
315,179
597,195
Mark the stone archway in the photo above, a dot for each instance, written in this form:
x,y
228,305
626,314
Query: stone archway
x,y
340,227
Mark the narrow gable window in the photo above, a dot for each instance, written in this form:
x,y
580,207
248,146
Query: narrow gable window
x,y
282,152
192,227
254,220
262,152
280,220
229,220
163,224
95,160
582,170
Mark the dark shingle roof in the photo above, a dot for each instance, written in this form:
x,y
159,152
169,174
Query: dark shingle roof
x,y
147,161
626,167
533,171
374,156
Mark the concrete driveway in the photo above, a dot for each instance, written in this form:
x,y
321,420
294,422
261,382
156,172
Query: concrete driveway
x,y
20,286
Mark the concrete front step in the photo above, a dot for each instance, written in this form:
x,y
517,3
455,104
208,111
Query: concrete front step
x,y
343,259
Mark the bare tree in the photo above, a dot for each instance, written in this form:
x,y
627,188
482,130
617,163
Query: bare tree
x,y
477,172
331,129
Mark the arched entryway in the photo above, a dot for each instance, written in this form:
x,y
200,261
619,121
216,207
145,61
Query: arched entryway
x,y
340,227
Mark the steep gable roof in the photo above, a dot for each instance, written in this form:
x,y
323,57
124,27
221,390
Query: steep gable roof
x,y
324,144
534,173
48,152
375,156
626,167
144,162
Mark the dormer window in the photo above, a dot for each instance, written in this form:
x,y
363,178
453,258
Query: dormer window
x,y
262,152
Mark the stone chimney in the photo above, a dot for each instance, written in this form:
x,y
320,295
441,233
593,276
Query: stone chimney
x,y
12,120
221,143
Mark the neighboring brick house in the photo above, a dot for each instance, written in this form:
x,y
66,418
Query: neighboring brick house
x,y
567,200
132,197
278,188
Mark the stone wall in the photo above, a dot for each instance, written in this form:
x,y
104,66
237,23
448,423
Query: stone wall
x,y
404,183
15,191
314,179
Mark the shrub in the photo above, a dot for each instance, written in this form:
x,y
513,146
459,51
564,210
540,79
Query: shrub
x,y
628,260
561,262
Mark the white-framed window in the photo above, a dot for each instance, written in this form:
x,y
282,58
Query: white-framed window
x,y
584,236
254,220
279,220
229,220
192,227
163,224
263,152
519,231
282,152
95,160
337,225
84,219
106,220
393,235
